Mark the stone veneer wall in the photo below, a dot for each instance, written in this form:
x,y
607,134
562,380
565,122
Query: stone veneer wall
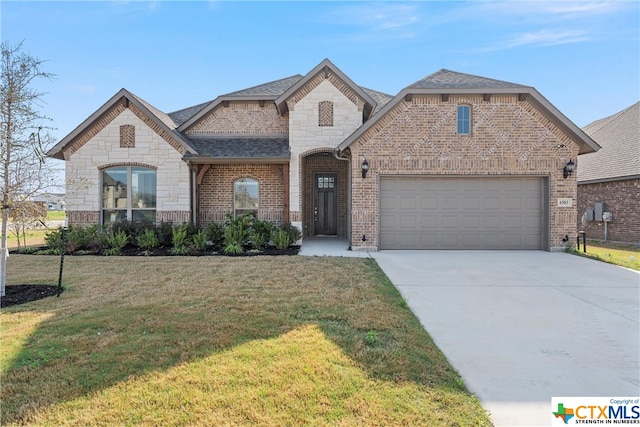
x,y
622,199
305,134
509,137
322,163
216,191
102,148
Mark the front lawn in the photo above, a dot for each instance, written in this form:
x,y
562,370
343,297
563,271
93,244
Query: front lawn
x,y
625,255
210,341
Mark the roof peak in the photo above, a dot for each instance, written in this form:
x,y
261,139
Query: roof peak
x,y
448,79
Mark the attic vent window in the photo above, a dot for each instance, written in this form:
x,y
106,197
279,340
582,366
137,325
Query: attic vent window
x,y
127,136
325,113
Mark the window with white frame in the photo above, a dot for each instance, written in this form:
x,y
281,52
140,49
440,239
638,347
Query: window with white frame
x,y
464,120
128,193
246,196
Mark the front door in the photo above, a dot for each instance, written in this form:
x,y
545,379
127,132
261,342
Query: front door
x,y
325,211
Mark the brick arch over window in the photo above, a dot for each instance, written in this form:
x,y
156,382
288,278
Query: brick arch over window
x,y
325,113
142,165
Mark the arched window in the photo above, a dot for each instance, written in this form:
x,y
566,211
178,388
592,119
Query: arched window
x,y
464,120
325,113
128,193
246,195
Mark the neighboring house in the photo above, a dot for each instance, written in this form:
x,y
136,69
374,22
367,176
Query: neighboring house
x,y
454,161
612,177
54,201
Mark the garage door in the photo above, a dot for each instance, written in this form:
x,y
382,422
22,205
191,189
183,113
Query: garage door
x,y
461,213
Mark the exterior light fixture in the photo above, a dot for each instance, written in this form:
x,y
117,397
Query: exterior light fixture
x,y
365,168
569,167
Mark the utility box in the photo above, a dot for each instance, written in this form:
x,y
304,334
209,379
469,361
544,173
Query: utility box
x,y
590,214
607,217
599,211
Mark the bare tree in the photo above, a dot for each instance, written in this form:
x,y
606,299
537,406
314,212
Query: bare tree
x,y
23,171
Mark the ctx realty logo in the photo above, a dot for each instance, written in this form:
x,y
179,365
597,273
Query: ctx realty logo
x,y
595,410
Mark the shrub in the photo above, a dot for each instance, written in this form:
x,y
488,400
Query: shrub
x,y
115,241
281,239
53,239
292,231
260,233
215,233
148,241
180,239
236,232
200,240
165,233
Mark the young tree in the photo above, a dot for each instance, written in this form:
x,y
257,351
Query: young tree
x,y
23,171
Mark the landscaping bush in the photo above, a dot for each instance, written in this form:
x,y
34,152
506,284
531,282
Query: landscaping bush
x,y
165,233
148,241
180,240
200,240
115,241
260,233
215,233
292,231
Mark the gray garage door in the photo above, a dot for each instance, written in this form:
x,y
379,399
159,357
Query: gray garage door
x,y
461,213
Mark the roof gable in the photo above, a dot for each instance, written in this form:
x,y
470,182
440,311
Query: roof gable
x,y
327,68
449,82
159,121
619,158
264,92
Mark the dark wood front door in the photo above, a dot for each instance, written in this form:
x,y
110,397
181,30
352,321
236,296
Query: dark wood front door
x,y
325,189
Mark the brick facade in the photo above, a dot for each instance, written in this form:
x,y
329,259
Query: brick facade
x,y
419,138
242,118
215,196
621,198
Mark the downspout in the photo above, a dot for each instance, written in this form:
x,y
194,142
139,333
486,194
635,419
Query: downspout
x,y
336,154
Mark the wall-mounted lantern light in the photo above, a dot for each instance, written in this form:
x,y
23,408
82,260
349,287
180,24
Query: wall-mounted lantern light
x,y
365,168
569,167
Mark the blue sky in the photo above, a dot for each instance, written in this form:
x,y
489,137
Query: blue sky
x,y
582,56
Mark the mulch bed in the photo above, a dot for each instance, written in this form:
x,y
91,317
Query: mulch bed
x,y
19,294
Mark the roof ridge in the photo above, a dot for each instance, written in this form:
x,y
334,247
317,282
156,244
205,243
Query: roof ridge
x,y
296,76
445,78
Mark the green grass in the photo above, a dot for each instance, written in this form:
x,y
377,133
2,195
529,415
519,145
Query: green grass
x,y
625,255
56,215
233,341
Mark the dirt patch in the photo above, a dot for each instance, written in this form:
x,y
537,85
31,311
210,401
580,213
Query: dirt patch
x,y
19,294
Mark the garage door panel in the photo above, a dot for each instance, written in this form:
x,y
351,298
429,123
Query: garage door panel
x,y
461,213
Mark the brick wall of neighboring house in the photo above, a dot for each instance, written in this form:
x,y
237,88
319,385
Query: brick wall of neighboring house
x,y
216,191
242,118
622,199
418,137
324,162
101,147
306,136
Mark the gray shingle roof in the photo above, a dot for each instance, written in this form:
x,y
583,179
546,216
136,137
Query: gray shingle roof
x,y
159,114
380,98
181,116
619,137
446,79
270,89
241,147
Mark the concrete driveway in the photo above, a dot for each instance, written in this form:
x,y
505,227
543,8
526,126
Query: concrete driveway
x,y
522,327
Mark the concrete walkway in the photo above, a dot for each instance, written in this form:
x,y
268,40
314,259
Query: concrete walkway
x,y
522,327
329,246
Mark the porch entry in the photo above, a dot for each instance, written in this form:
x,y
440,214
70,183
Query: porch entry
x,y
325,210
